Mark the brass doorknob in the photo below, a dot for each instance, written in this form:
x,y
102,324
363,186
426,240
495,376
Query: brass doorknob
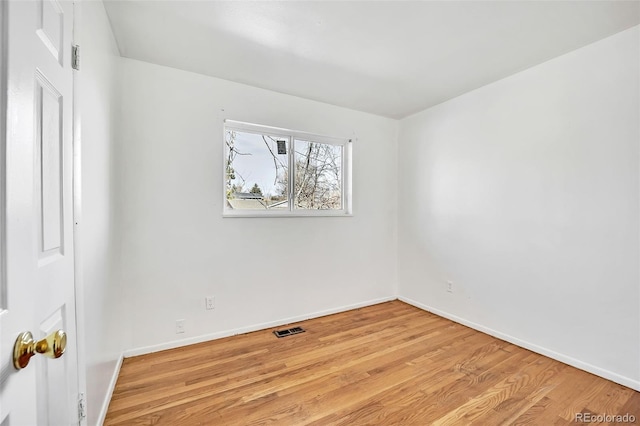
x,y
52,346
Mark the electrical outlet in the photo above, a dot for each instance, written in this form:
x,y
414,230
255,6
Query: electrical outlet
x,y
209,302
450,286
179,326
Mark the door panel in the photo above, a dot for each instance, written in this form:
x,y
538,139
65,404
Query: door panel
x,y
51,26
49,128
52,374
38,242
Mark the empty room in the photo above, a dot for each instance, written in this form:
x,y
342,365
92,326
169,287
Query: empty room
x,y
319,212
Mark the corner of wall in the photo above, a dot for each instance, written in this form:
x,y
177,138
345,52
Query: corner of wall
x,y
396,201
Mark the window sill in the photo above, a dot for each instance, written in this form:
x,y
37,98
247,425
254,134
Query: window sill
x,y
261,214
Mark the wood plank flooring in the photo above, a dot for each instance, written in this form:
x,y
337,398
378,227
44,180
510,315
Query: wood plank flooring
x,y
388,364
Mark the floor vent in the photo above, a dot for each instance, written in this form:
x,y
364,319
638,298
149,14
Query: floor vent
x,y
288,332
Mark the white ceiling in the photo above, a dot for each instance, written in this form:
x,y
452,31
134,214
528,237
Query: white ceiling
x,y
389,58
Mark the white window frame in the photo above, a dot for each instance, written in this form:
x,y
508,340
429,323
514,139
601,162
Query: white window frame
x,y
345,143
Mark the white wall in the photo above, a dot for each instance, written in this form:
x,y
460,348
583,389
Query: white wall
x,y
98,102
176,248
525,194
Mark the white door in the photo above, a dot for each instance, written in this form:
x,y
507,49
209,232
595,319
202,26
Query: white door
x,y
37,280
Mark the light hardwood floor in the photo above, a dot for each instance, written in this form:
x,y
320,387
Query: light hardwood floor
x,y
388,364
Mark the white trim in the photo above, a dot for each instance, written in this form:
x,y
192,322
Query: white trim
x,y
285,213
609,375
255,327
347,172
76,193
112,386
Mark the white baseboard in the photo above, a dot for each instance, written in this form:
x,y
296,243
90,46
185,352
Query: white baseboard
x,y
110,389
255,327
609,375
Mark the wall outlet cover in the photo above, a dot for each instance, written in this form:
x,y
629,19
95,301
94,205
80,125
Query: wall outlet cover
x,y
209,302
179,326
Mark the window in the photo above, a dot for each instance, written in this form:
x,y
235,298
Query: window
x,y
277,172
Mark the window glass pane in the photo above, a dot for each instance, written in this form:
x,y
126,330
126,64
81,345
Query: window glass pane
x,y
318,176
256,171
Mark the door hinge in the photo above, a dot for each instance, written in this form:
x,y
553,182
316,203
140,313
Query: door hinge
x,y
75,57
82,408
